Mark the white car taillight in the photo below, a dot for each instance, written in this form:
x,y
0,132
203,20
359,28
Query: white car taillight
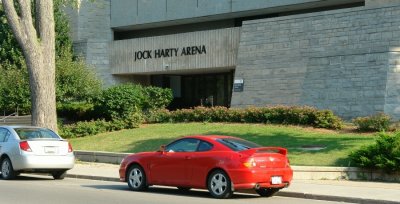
x,y
24,146
70,147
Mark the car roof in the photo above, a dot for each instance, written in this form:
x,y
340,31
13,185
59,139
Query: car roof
x,y
18,126
208,137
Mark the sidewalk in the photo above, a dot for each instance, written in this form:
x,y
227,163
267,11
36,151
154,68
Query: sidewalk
x,y
340,191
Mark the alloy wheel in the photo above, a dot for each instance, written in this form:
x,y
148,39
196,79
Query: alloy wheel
x,y
135,177
219,184
5,168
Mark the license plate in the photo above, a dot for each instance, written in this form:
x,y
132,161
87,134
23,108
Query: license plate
x,y
50,150
276,180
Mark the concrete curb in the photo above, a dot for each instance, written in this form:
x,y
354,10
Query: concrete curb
x,y
281,193
334,198
300,172
97,178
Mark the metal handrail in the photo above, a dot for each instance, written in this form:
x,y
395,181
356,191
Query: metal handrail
x,y
12,114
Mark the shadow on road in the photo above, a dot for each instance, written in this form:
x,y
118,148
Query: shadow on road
x,y
169,191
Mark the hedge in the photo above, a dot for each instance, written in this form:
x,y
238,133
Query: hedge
x,y
294,115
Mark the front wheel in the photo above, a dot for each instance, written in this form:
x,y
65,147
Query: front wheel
x,y
219,184
7,170
267,192
136,178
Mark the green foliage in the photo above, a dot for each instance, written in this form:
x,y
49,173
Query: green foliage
x,y
75,81
84,128
75,110
384,154
275,114
156,97
14,91
94,127
10,51
378,122
120,101
62,28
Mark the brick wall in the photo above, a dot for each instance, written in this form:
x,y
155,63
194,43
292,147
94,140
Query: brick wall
x,y
344,60
92,35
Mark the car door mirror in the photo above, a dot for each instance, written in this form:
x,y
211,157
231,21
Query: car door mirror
x,y
162,149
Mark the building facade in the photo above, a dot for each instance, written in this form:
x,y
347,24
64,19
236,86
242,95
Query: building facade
x,y
341,55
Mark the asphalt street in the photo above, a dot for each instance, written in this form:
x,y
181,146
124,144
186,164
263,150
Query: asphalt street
x,y
45,190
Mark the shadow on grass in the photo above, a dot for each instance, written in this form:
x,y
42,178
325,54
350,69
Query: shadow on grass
x,y
295,142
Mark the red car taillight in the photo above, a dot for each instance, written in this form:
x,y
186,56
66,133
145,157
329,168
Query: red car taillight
x,y
24,146
250,163
70,147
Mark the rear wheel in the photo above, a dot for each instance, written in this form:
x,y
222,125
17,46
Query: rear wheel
x,y
7,170
136,178
267,192
59,175
219,184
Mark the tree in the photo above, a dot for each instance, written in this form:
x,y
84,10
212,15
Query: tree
x,y
36,38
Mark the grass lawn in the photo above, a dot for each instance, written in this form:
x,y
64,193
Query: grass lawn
x,y
150,137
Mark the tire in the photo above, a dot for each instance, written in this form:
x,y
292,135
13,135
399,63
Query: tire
x,y
59,175
7,170
267,192
136,178
219,185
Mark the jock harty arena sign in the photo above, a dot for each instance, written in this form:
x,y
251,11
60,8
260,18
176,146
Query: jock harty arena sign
x,y
170,52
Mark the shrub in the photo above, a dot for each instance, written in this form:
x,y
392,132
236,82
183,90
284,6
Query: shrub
x,y
120,101
84,128
384,154
75,111
14,90
275,114
378,122
156,98
94,127
75,81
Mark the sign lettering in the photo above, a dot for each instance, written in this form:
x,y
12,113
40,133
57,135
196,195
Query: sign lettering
x,y
170,52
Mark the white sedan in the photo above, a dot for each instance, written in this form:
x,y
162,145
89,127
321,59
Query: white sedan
x,y
25,149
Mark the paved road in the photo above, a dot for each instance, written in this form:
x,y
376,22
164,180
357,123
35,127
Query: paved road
x,y
44,190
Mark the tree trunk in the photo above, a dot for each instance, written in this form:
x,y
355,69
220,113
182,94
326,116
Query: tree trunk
x,y
38,46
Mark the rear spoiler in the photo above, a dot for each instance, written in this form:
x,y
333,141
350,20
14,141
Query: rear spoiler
x,y
279,150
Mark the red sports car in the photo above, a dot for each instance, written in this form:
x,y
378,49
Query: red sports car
x,y
221,164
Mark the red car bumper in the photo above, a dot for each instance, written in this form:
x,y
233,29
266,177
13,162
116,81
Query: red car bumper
x,y
260,178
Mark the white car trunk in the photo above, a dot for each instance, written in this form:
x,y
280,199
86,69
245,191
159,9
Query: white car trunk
x,y
49,147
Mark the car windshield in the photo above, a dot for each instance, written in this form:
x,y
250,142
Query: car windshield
x,y
35,133
237,144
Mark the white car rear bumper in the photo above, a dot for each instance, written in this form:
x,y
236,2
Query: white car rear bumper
x,y
32,162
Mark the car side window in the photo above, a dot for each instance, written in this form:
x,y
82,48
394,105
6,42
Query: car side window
x,y
204,146
8,134
3,134
183,145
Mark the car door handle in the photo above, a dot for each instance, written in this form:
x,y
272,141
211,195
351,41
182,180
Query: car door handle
x,y
188,157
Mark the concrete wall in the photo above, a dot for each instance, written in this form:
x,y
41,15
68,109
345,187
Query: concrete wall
x,y
344,60
92,34
138,13
220,52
